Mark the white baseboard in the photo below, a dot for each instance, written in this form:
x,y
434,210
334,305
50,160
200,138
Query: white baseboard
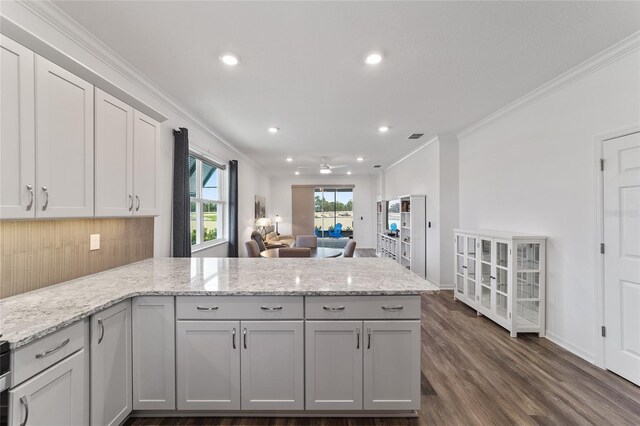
x,y
576,350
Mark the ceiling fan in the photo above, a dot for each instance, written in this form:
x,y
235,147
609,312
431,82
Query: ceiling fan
x,y
325,167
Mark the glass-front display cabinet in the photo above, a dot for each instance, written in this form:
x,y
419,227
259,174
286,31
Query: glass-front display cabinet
x,y
502,276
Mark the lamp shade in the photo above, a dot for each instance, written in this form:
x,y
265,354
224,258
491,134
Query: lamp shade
x,y
263,221
278,219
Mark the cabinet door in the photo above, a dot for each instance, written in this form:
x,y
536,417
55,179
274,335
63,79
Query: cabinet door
x,y
501,280
392,365
17,132
64,142
272,365
333,365
54,397
111,365
154,367
208,365
460,242
146,148
113,156
471,266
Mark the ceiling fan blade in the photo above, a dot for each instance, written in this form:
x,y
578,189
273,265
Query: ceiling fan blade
x,y
337,167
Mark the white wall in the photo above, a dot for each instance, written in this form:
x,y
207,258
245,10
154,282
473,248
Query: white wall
x,y
102,61
432,171
535,171
364,202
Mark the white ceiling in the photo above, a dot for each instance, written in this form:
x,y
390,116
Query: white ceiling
x,y
446,65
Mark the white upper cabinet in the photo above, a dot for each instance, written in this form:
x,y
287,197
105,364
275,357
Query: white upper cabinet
x,y
114,156
17,131
64,129
146,149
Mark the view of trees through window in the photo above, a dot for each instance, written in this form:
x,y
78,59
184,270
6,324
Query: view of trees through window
x,y
333,207
206,206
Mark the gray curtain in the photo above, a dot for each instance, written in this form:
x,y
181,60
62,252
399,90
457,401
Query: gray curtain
x,y
181,201
233,208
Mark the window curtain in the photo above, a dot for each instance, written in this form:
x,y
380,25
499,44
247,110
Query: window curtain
x,y
181,201
233,208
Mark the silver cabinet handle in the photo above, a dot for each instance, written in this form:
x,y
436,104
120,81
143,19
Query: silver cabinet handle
x,y
101,330
24,401
244,337
130,202
46,197
52,350
464,267
30,189
368,338
207,308
333,308
271,308
357,338
137,203
233,338
393,308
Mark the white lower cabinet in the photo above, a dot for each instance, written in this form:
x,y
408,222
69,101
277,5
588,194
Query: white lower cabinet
x,y
57,396
333,365
208,365
272,365
111,393
392,365
154,367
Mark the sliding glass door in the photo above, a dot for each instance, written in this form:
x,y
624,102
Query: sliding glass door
x,y
333,216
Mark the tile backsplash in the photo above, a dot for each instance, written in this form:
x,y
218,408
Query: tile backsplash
x,y
36,254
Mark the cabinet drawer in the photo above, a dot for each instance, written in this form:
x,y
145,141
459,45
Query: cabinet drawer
x,y
239,307
362,307
37,356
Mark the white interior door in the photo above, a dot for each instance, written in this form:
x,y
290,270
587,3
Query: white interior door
x,y
622,255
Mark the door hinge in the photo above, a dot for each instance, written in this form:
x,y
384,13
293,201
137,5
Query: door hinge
x,y
603,330
602,164
602,248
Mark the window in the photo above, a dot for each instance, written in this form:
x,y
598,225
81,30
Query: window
x,y
207,205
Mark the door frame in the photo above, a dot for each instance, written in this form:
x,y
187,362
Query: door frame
x,y
599,263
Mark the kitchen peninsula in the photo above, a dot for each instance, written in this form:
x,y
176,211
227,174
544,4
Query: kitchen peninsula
x,y
218,336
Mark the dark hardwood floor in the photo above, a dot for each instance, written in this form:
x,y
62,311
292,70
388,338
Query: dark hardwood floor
x,y
473,373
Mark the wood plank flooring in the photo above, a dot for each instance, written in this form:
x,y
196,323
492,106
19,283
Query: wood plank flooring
x,y
473,373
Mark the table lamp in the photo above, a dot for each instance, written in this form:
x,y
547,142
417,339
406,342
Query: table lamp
x,y
263,222
278,219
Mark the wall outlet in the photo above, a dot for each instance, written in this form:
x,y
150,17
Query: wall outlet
x,y
94,242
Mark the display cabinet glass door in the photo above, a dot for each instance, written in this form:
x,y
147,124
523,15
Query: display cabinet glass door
x,y
486,273
528,276
460,265
501,278
470,291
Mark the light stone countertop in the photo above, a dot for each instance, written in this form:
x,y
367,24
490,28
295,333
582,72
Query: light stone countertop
x,y
30,316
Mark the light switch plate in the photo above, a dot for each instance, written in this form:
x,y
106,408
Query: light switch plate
x,y
94,242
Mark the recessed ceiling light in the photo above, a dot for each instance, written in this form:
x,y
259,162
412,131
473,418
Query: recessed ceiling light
x,y
229,59
274,129
373,58
297,172
383,129
289,159
360,158
349,172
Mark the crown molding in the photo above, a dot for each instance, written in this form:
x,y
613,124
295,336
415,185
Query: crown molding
x,y
49,13
596,62
415,151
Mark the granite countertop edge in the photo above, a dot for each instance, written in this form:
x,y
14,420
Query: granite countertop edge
x,y
76,318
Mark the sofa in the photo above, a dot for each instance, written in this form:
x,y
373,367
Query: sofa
x,y
272,239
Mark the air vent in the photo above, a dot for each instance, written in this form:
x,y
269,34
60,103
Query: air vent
x,y
416,135
377,166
